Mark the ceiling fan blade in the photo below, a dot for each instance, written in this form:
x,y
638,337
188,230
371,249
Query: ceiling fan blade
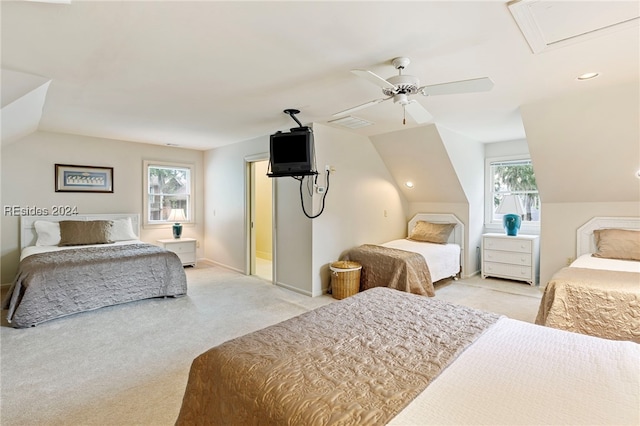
x,y
465,86
418,112
365,105
374,78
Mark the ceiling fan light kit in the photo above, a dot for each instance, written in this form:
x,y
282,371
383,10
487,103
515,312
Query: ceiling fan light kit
x,y
400,87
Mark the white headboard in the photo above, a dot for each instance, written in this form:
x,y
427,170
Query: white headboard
x,y
457,236
28,234
585,241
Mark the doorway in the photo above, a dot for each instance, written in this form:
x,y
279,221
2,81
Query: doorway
x,y
261,247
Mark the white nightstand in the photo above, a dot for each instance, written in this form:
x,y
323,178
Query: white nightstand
x,y
511,257
185,248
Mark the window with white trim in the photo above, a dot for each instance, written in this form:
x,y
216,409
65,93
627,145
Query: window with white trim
x,y
168,189
511,177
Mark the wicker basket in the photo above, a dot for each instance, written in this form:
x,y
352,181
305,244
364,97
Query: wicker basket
x,y
345,278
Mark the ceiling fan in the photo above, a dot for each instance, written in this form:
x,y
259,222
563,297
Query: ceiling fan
x,y
401,86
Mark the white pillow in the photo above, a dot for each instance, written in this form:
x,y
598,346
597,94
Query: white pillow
x,y
48,233
122,230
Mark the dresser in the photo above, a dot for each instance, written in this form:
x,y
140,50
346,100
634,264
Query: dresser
x,y
185,248
511,257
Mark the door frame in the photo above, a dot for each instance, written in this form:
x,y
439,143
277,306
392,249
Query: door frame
x,y
250,216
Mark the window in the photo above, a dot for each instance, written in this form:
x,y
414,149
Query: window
x,y
507,177
168,188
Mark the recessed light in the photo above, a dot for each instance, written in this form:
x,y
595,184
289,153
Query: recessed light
x,y
408,184
588,76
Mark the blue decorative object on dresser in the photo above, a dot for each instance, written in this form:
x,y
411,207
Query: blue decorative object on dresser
x,y
511,224
511,207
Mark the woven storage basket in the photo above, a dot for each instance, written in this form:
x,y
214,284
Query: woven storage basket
x,y
345,278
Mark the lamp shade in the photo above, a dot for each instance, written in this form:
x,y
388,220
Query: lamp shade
x,y
176,215
510,204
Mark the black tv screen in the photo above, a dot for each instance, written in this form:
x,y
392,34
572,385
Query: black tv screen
x,y
291,153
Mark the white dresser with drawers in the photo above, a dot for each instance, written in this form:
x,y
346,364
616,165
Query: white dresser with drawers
x,y
511,257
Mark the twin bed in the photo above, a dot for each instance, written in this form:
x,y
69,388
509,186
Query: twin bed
x,y
599,293
431,252
80,263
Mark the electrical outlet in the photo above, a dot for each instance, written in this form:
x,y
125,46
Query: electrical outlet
x,y
320,189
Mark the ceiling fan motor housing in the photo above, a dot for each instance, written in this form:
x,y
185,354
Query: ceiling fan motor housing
x,y
406,84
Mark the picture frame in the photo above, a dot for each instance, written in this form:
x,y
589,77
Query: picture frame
x,y
73,178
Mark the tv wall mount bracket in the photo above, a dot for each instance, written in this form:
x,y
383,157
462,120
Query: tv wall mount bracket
x,y
291,112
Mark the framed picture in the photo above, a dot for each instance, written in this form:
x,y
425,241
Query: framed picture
x,y
70,178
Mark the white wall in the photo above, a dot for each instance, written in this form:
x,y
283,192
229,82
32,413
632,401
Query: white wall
x,y
467,159
28,181
225,202
364,204
586,150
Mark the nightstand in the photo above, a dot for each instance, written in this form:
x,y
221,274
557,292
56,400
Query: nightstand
x,y
185,248
511,257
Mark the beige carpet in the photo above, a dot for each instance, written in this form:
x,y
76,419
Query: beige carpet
x,y
128,364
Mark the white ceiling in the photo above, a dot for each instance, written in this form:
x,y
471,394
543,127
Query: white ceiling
x,y
204,74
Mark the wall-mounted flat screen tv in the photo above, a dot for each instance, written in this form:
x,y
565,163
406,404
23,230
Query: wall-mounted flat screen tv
x,y
291,154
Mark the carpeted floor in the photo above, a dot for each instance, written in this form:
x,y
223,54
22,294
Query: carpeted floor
x,y
128,364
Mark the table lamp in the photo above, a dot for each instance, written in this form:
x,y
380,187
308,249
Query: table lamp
x,y
511,207
176,216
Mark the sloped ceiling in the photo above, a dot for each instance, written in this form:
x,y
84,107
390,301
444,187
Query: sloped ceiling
x,y
586,147
204,74
22,104
419,156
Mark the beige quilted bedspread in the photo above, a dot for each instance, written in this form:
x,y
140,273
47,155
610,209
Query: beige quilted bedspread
x,y
594,302
394,268
353,362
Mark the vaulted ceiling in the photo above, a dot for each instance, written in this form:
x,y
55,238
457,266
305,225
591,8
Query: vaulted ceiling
x,y
204,74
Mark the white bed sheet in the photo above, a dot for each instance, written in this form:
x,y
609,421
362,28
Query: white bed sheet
x,y
520,373
590,262
28,251
443,260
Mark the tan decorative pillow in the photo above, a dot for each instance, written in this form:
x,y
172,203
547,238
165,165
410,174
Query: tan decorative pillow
x,y
617,244
431,232
78,233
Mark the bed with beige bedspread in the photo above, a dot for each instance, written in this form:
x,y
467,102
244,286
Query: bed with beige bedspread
x,y
389,357
388,267
431,252
600,303
599,293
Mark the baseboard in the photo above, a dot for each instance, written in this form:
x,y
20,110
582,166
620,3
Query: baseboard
x,y
222,265
472,274
264,255
294,289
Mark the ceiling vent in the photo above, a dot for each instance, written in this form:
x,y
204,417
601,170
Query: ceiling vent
x,y
548,24
351,122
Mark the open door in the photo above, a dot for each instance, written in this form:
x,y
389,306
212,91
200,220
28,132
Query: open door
x,y
260,218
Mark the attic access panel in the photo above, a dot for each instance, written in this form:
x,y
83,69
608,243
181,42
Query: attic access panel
x,y
548,24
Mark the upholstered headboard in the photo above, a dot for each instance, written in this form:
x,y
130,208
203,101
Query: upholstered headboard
x,y
585,241
28,234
